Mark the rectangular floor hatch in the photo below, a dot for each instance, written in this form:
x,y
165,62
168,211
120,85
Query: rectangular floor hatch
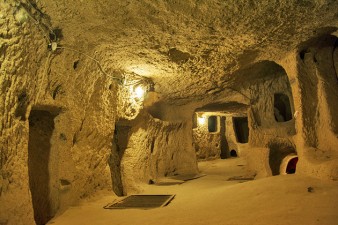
x,y
240,178
141,201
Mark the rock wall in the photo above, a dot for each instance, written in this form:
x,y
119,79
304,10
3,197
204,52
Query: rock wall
x,y
18,79
315,95
269,140
262,122
82,104
312,132
64,100
156,149
265,133
209,145
240,148
58,112
310,82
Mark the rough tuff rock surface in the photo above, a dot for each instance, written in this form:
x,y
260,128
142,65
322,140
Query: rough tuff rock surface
x,y
314,88
39,86
218,144
63,102
156,149
264,80
190,48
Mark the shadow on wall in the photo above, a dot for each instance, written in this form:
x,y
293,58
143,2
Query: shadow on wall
x,y
224,145
41,126
121,137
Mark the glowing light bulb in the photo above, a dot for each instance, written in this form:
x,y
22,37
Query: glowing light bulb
x,y
201,120
139,92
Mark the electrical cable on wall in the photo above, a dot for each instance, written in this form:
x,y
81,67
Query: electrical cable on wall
x,y
135,79
92,58
42,27
132,86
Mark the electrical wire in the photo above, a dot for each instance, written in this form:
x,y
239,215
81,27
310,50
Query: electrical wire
x,y
51,31
42,27
137,79
123,81
95,60
44,74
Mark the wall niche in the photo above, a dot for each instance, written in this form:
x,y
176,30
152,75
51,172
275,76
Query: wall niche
x,y
212,124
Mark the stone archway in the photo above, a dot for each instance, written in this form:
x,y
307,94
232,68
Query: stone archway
x,y
277,152
289,164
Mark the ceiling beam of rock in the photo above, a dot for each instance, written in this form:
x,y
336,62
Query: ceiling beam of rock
x,y
188,48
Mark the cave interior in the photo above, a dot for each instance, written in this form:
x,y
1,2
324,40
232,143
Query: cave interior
x,y
215,98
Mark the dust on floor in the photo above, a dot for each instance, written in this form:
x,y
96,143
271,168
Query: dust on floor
x,y
217,199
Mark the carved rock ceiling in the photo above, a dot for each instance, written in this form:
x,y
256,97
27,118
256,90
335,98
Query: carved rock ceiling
x,y
189,48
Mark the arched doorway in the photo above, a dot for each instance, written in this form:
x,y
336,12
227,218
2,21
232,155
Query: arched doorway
x,y
289,164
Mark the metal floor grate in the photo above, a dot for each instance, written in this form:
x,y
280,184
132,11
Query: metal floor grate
x,y
141,201
240,178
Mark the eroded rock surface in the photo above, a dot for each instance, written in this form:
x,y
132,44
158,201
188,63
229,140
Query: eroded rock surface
x,y
67,70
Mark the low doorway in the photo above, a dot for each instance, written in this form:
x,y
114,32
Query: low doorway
x,y
41,127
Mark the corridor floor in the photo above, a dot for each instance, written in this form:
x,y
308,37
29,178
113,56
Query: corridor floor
x,y
214,199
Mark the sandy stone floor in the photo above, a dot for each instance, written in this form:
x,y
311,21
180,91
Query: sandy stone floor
x,y
213,199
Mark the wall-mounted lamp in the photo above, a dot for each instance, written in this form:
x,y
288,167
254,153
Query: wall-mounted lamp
x,y
201,120
132,93
139,91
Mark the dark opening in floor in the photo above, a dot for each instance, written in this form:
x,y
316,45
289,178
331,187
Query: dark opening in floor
x,y
241,179
141,201
291,167
41,126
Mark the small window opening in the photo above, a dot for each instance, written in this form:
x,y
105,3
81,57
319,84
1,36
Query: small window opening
x,y
291,167
241,129
212,124
282,108
233,153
